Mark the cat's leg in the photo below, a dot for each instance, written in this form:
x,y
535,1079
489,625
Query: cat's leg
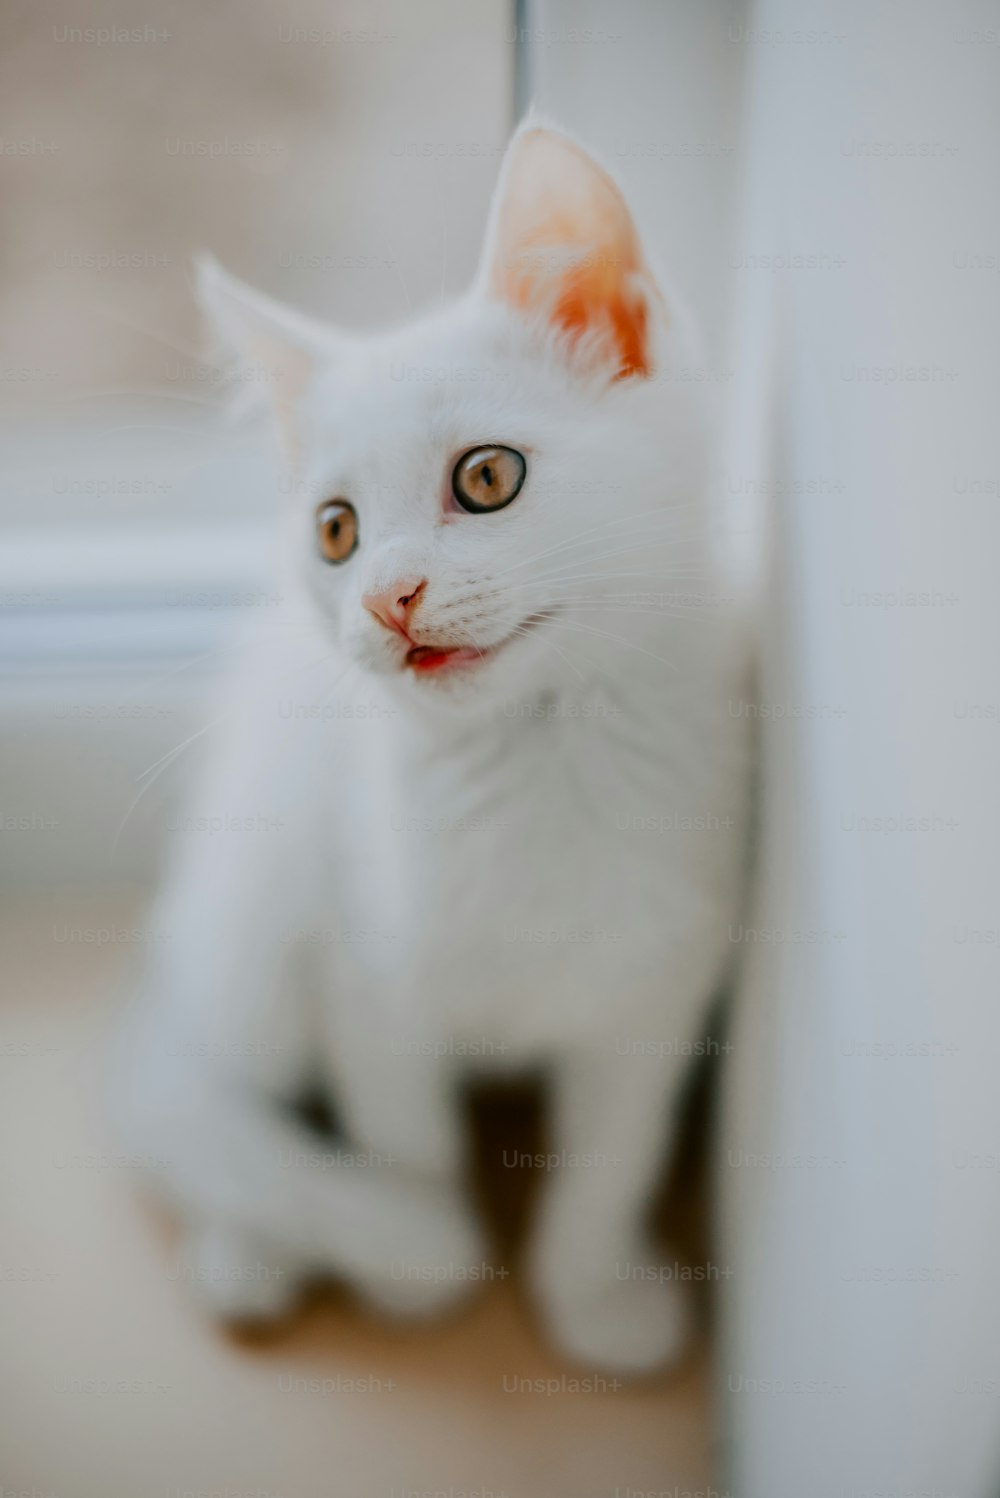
x,y
594,1273
256,1186
212,1058
396,1095
399,1103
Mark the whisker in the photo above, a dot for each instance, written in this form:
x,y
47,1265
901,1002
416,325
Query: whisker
x,y
165,759
639,543
164,764
639,596
661,611
618,639
232,711
681,572
521,630
159,766
550,615
667,589
661,512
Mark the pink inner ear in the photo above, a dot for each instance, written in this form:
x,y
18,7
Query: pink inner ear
x,y
568,250
601,299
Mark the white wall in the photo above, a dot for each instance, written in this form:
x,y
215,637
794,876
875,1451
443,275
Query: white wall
x,y
866,1269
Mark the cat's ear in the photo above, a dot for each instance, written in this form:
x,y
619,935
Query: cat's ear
x,y
562,247
270,352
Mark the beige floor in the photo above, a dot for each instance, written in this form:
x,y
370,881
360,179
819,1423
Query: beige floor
x,y
112,1387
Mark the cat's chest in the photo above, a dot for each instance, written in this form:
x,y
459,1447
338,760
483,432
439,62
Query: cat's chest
x,y
517,889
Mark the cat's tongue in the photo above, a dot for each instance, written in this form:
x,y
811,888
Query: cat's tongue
x,y
427,658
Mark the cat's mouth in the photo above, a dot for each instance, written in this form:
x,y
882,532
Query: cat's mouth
x,y
437,660
425,659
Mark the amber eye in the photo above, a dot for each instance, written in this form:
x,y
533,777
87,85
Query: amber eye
x,y
487,478
336,530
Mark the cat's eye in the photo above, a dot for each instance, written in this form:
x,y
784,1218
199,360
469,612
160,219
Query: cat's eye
x,y
336,530
487,478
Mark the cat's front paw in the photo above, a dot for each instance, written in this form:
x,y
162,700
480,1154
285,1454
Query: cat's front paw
x,y
626,1325
442,1261
237,1279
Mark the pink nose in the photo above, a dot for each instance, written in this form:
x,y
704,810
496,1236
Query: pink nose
x,y
392,605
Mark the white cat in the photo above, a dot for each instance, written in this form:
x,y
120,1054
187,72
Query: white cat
x,y
477,800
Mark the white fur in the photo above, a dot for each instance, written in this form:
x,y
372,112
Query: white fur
x,y
533,862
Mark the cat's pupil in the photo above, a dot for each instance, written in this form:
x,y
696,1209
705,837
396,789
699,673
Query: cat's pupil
x,y
487,474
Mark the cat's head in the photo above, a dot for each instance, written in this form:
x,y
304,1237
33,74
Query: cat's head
x,y
473,491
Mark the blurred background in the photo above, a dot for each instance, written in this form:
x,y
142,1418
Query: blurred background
x,y
820,182
340,157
